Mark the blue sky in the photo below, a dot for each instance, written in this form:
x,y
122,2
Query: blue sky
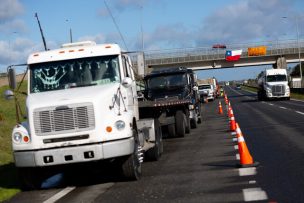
x,y
165,24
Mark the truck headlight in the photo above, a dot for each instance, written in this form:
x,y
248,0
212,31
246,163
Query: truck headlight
x,y
120,125
17,137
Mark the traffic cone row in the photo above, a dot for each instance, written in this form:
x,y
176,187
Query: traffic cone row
x,y
246,159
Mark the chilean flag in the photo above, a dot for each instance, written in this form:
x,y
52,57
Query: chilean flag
x,y
233,55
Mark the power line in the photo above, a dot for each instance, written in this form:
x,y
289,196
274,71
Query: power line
x,y
116,25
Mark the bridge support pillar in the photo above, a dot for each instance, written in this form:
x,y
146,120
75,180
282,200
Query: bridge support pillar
x,y
280,63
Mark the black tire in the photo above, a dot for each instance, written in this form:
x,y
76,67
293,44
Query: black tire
x,y
194,121
180,124
131,166
188,122
30,178
199,119
260,96
171,130
155,152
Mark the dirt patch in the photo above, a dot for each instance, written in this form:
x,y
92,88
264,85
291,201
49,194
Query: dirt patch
x,y
4,80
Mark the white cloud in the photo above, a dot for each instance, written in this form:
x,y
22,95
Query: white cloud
x,y
9,9
244,22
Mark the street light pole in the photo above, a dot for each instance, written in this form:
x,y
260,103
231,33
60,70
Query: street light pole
x,y
299,49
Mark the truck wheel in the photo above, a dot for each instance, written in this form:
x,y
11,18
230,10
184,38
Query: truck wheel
x,y
180,124
131,167
194,121
188,122
30,178
171,130
155,152
199,118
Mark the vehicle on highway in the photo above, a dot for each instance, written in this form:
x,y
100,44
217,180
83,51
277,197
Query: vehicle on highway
x,y
273,84
82,107
238,87
219,46
206,91
172,95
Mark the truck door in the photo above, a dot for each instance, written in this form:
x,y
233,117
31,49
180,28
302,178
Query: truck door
x,y
131,91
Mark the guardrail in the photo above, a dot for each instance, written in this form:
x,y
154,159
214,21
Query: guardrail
x,y
208,53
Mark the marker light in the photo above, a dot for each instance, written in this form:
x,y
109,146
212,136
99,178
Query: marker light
x,y
26,139
109,129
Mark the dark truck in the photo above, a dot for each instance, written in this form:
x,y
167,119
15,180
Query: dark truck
x,y
171,95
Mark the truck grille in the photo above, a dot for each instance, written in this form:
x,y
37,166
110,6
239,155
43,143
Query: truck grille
x,y
64,119
278,90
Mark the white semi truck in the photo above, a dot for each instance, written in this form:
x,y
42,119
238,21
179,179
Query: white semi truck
x,y
273,84
82,107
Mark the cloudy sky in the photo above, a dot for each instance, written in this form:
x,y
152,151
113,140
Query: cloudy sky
x,y
163,24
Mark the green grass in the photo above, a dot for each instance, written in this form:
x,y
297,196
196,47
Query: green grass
x,y
8,180
297,96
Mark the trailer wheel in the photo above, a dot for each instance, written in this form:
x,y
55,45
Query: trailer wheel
x,y
180,124
155,152
171,130
131,166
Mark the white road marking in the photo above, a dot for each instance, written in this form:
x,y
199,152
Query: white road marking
x,y
271,104
234,139
233,133
299,112
59,195
237,156
247,171
236,147
282,107
254,194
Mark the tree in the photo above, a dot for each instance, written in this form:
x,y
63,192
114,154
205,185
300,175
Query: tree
x,y
296,70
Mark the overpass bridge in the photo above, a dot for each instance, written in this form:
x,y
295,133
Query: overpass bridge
x,y
278,54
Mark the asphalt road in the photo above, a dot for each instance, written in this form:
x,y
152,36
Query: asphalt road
x,y
274,132
202,167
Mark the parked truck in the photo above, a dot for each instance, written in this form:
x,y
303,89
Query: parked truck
x,y
82,106
172,96
273,84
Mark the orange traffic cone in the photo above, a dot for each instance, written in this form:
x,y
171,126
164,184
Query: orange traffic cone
x,y
220,110
246,159
232,123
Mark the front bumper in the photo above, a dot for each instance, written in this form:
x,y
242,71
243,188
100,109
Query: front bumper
x,y
74,154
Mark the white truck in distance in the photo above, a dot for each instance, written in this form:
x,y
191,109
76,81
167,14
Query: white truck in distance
x,y
272,84
82,107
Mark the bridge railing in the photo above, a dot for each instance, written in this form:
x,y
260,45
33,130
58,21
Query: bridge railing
x,y
207,53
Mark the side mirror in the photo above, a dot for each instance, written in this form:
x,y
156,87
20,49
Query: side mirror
x,y
9,94
127,82
12,78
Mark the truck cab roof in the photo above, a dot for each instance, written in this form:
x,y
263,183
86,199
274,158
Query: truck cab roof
x,y
168,71
75,50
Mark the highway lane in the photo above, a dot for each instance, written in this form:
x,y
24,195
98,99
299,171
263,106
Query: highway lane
x,y
274,133
200,167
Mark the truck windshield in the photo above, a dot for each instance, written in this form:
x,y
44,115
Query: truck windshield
x,y
167,81
276,78
74,73
203,87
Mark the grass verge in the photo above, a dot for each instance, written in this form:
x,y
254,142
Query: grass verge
x,y
8,176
